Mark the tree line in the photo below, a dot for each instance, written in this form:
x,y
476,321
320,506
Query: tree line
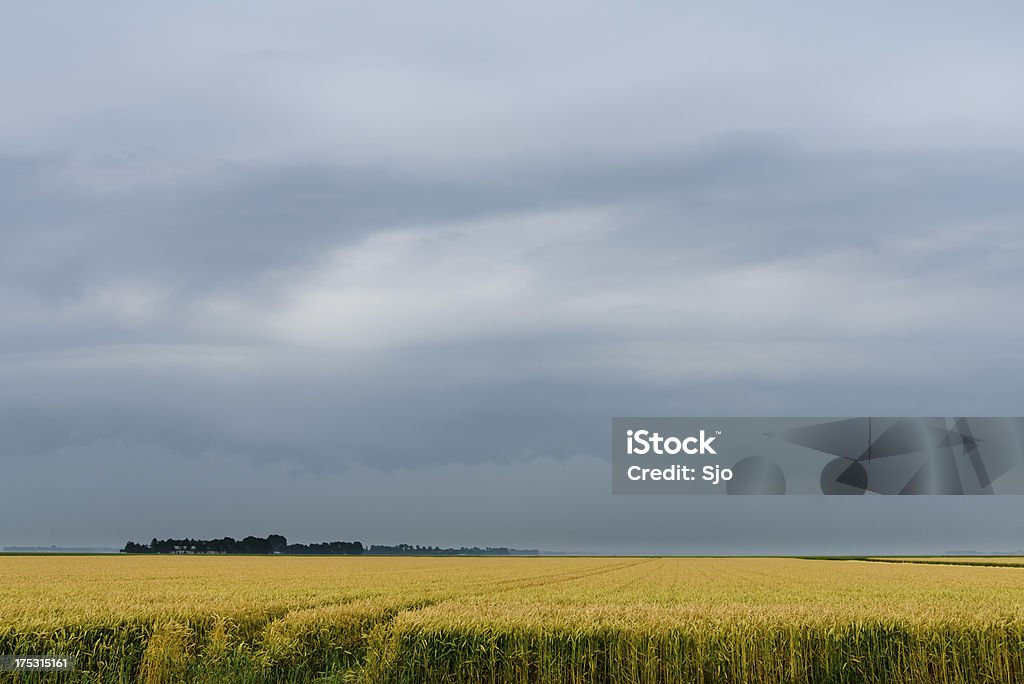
x,y
276,543
410,550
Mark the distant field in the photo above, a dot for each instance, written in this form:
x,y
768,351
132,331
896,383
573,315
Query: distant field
x,y
552,620
1008,561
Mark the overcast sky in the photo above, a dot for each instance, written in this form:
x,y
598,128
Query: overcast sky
x,y
381,272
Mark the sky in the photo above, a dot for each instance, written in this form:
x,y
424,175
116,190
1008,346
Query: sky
x,y
386,272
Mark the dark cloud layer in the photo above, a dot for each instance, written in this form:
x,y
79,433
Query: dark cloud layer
x,y
344,276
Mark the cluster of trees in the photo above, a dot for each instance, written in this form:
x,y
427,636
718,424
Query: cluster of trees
x,y
274,543
327,548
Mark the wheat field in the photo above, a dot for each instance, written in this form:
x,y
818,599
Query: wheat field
x,y
494,620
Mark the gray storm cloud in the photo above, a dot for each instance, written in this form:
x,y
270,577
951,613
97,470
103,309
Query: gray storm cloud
x,y
392,276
